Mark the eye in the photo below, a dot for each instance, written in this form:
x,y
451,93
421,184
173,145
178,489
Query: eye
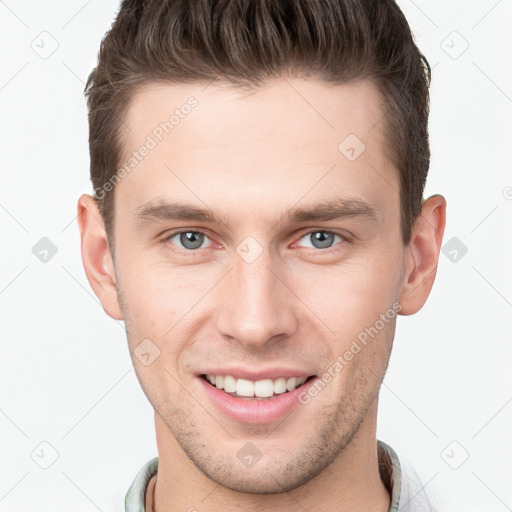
x,y
189,240
321,239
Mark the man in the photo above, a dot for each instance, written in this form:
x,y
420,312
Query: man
x,y
258,224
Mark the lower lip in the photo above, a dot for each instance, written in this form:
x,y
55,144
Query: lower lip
x,y
255,412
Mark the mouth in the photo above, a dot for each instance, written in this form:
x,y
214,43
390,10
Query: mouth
x,y
266,389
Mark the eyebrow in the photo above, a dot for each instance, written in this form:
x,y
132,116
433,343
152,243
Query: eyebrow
x,y
333,209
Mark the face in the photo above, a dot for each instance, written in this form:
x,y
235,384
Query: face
x,y
256,240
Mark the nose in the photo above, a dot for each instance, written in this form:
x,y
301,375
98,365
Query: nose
x,y
258,305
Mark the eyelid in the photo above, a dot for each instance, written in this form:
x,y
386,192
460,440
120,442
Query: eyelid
x,y
301,235
168,235
166,239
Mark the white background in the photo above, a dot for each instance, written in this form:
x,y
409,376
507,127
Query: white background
x,y
66,376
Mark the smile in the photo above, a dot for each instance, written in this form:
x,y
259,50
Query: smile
x,y
258,390
255,401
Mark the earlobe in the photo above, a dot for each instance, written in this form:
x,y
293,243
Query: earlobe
x,y
96,256
422,255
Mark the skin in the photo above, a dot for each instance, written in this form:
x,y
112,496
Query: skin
x,y
250,158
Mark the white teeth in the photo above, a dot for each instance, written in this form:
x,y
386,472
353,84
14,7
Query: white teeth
x,y
244,387
280,385
291,383
229,384
261,388
264,388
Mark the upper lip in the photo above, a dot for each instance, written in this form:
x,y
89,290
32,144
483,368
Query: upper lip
x,y
255,375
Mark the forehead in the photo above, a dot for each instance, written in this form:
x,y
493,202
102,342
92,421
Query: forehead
x,y
307,108
289,139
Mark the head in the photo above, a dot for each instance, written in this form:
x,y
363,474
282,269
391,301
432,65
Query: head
x,y
258,170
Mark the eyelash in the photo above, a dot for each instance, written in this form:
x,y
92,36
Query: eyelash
x,y
190,252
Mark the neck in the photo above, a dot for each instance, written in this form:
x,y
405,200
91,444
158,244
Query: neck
x,y
351,483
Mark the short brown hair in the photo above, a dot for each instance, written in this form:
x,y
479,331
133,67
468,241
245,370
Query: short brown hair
x,y
245,43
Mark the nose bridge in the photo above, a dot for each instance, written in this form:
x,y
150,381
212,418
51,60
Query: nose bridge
x,y
256,307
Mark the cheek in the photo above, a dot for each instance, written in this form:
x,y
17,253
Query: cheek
x,y
164,304
153,291
351,297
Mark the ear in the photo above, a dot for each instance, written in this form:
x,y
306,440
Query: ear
x,y
422,255
96,256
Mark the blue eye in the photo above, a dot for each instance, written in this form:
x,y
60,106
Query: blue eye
x,y
321,239
190,240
